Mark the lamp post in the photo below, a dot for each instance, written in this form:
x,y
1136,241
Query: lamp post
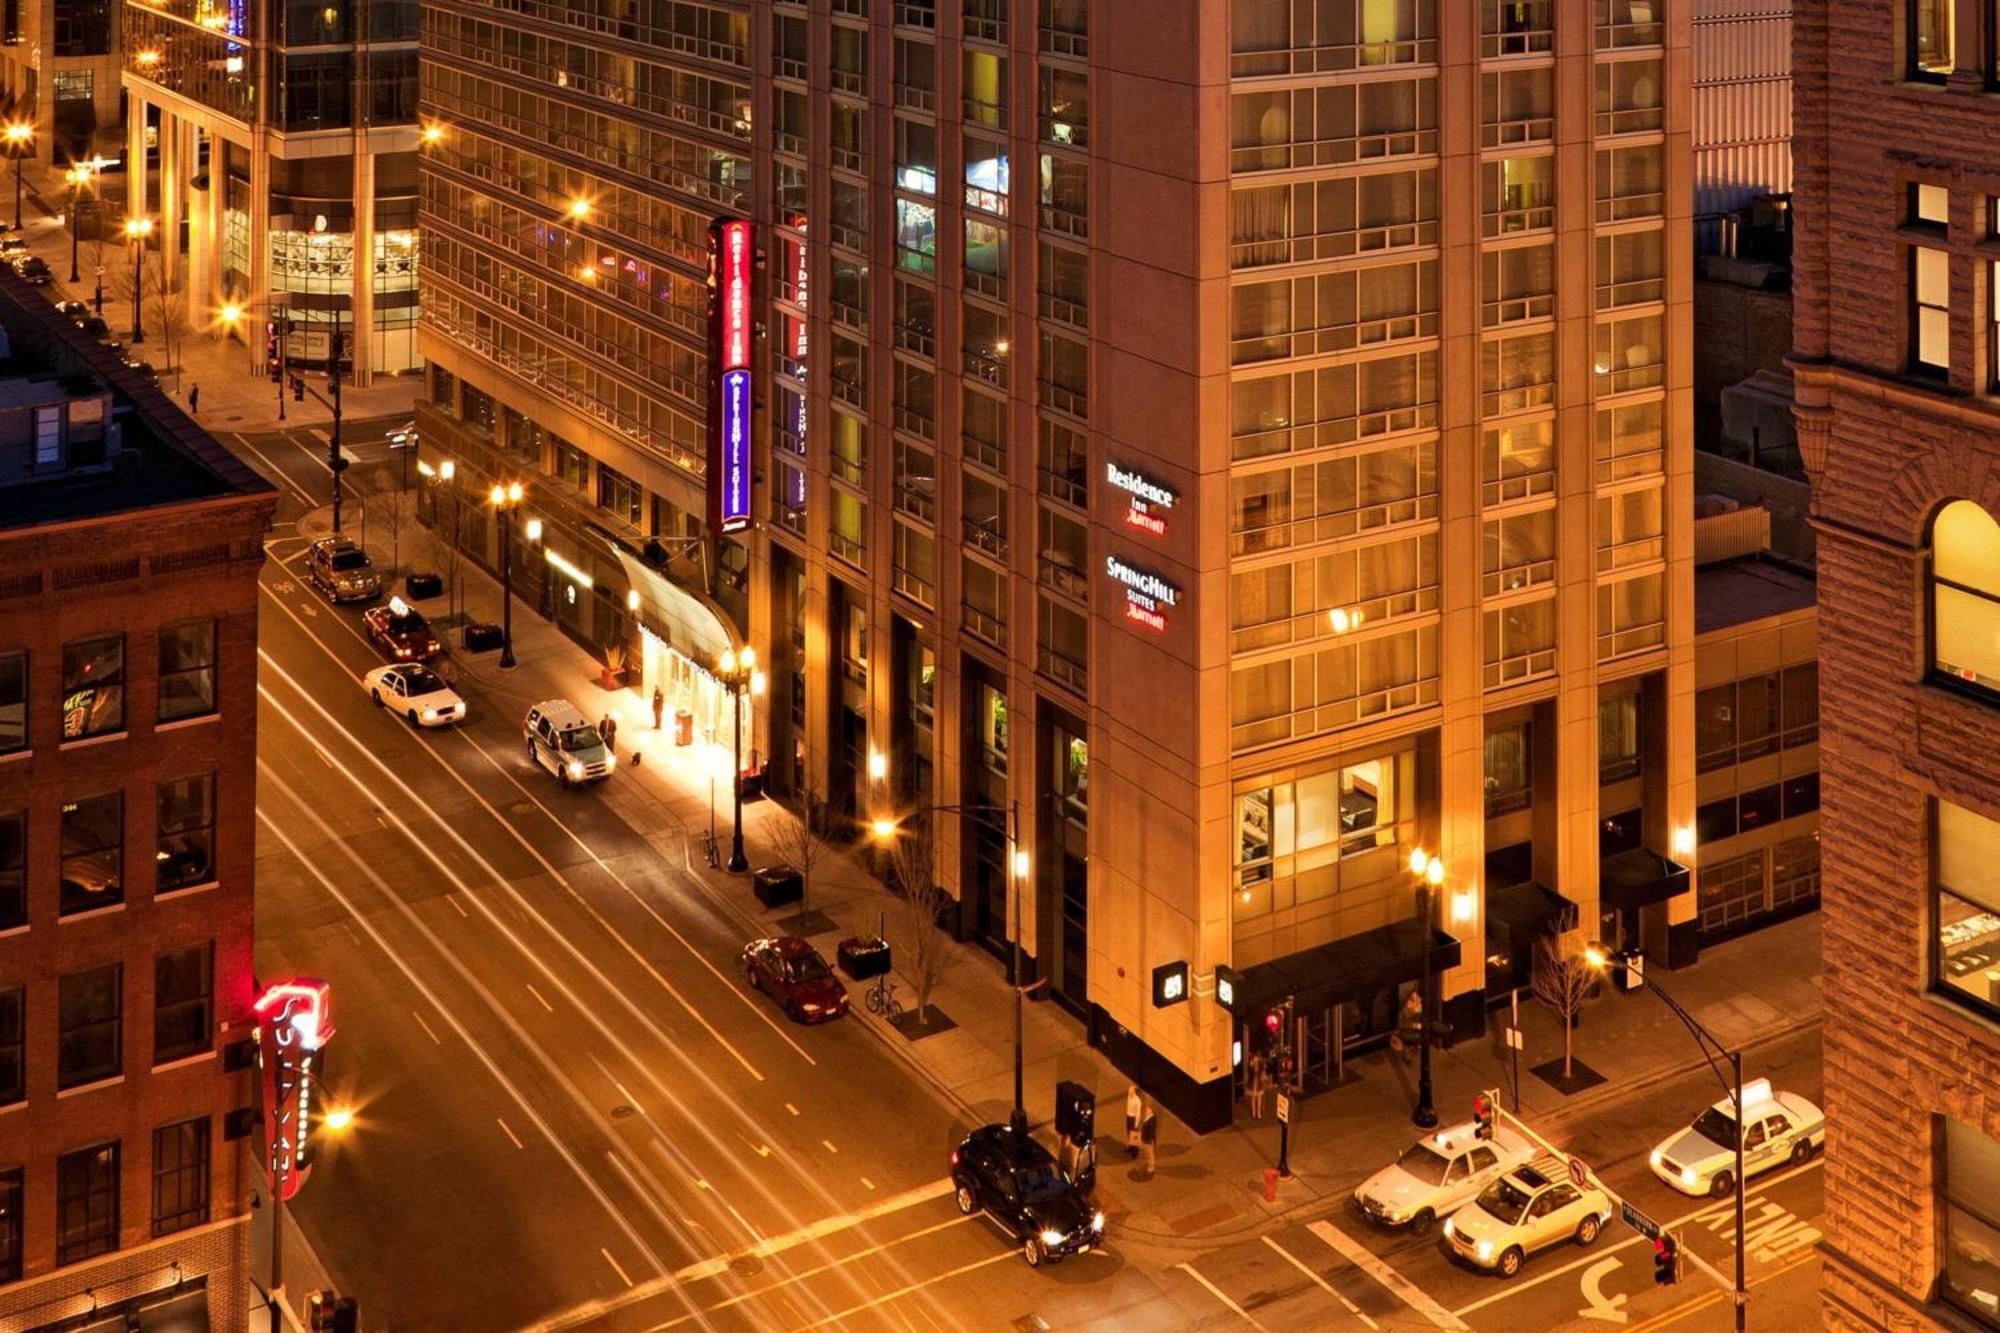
x,y
136,231
1007,821
1429,871
337,1120
506,502
738,673
20,134
78,176
1599,956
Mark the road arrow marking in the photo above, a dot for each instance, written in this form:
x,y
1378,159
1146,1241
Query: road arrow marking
x,y
1600,1306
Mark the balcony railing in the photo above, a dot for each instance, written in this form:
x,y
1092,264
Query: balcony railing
x,y
984,534
982,625
1063,670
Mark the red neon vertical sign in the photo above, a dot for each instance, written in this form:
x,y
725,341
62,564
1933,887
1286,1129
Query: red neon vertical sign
x,y
733,276
292,1029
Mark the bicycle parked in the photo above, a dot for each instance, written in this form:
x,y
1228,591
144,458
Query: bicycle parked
x,y
882,998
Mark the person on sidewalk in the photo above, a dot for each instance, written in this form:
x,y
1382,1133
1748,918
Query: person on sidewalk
x,y
1149,1143
659,709
1135,1107
194,399
1259,1081
607,730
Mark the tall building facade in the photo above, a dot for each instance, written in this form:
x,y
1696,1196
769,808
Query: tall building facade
x,y
129,549
1898,407
1742,112
1287,468
59,67
283,138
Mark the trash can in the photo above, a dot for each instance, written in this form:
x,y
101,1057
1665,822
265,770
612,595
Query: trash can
x,y
862,959
683,727
480,637
1633,975
777,885
417,587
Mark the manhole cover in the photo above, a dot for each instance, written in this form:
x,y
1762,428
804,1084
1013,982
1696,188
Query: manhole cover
x,y
622,1112
748,1265
522,808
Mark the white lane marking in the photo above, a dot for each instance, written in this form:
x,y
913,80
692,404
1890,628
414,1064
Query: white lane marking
x,y
511,1136
886,1297
1220,1295
508,1084
1518,1285
435,1041
307,497
829,1145
590,1311
1597,1305
867,1182
793,1109
1364,1259
615,1265
1323,1284
538,995
452,898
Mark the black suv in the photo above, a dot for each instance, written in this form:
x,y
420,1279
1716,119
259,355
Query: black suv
x,y
1014,1178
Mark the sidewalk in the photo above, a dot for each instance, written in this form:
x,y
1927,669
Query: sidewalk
x,y
1746,991
233,396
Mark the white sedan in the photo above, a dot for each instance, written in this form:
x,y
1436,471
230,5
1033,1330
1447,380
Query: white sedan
x,y
415,691
1439,1173
1780,1127
1526,1210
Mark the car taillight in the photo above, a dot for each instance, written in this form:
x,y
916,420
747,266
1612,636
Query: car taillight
x,y
954,1157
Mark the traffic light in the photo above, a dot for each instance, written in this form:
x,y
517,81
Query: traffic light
x,y
271,349
1666,1260
1482,1116
298,388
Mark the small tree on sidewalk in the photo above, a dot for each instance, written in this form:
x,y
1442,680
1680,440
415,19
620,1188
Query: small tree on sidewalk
x,y
393,506
799,838
445,545
912,861
1562,982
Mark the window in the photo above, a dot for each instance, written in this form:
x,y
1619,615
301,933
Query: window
x,y
93,693
1757,809
183,1002
916,155
985,88
13,869
1715,821
187,669
987,179
13,702
1509,770
1968,907
48,438
93,853
10,1225
180,1176
90,1025
1930,39
86,1203
1757,715
13,1045
75,85
1971,1187
1618,738
1965,596
1930,206
186,853
1801,795
619,494
916,236
1930,311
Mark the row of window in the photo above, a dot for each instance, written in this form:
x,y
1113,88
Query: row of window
x,y
1758,715
1750,811
88,1207
92,702
1509,755
92,841
90,1020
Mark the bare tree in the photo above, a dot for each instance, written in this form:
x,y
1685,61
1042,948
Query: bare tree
x,y
393,507
1562,982
800,838
170,314
912,861
446,518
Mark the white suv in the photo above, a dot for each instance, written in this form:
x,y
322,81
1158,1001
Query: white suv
x,y
1526,1210
1438,1174
564,742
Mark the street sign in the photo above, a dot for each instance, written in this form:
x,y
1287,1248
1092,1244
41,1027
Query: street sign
x,y
1638,1221
1284,1109
1514,1042
1579,1173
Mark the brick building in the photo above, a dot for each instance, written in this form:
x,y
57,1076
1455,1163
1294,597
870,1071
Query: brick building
x,y
129,549
1897,147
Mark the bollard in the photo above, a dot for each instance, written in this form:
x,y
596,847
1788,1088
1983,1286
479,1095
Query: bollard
x,y
1270,1184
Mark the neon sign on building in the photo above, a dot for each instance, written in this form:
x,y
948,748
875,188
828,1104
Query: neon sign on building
x,y
1148,597
731,258
292,1031
1147,500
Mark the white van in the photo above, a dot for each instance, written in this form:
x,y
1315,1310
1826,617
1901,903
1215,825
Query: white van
x,y
562,740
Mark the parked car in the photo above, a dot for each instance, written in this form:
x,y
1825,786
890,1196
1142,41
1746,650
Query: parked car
x,y
1701,1159
401,632
341,570
74,309
1439,1174
1013,1177
92,325
144,368
1528,1209
415,691
791,971
34,270
565,742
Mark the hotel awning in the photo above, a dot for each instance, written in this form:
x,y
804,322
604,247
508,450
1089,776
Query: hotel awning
x,y
1528,909
685,620
1348,969
1639,877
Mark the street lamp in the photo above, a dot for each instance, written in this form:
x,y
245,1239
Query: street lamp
x,y
136,231
79,175
19,134
738,673
1429,871
1600,957
506,500
1005,820
336,1120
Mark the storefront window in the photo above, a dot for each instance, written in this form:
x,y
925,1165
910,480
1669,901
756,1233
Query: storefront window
x,y
1971,1185
1968,907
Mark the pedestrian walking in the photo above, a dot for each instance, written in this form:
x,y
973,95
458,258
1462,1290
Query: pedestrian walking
x,y
194,399
1135,1107
1149,1141
1259,1084
659,709
607,730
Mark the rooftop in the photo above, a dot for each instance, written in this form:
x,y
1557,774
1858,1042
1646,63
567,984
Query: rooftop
x,y
1752,587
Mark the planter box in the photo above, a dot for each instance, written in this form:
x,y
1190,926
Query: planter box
x,y
417,587
480,638
778,885
862,959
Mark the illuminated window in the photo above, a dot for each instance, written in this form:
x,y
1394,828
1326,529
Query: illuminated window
x,y
1618,738
1930,205
1930,38
93,852
186,815
1510,782
1964,963
1965,596
1930,311
1970,1182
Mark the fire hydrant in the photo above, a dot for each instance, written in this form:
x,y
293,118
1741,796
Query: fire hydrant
x,y
1270,1184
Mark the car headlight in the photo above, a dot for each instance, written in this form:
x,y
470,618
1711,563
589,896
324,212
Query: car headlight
x,y
575,769
430,715
1052,1238
610,759
1449,1229
1097,1220
1688,1176
1655,1159
1486,1249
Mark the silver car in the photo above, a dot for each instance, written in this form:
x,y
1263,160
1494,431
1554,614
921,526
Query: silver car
x,y
342,570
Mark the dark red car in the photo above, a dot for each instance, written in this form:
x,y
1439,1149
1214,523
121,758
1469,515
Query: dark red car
x,y
791,972
401,632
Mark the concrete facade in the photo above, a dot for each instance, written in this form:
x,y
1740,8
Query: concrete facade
x,y
1897,418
